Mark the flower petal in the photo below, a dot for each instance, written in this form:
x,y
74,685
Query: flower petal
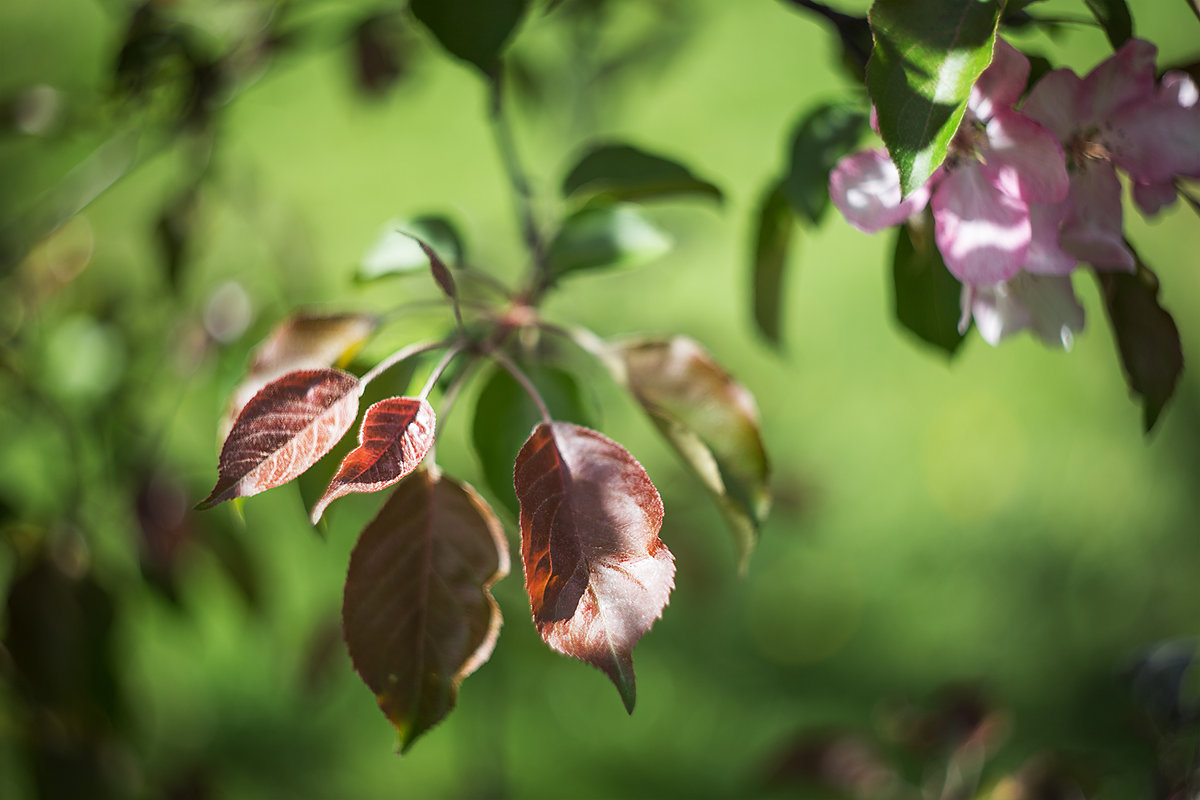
x,y
1001,84
1056,102
1045,304
865,187
1045,255
1022,157
1157,140
1124,78
1154,197
1178,88
1092,228
982,232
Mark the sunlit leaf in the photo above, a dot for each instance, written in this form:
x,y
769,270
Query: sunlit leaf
x,y
623,172
1113,16
928,54
418,615
772,242
824,135
597,574
617,236
285,429
504,414
476,31
396,434
926,296
1147,338
301,341
398,249
711,419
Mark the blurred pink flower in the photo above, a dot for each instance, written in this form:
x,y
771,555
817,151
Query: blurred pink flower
x,y
999,163
1117,117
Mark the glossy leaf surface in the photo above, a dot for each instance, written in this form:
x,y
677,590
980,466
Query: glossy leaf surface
x,y
1147,338
623,172
417,614
396,434
285,429
928,54
477,31
772,242
1113,16
504,415
597,574
925,295
825,134
711,419
618,236
302,341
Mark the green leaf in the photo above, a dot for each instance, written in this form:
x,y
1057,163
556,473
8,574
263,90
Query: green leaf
x,y
928,54
825,134
711,420
617,236
476,31
398,249
927,297
504,416
1113,16
622,172
1147,338
772,241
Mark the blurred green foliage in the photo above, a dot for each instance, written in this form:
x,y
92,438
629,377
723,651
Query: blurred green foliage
x,y
998,522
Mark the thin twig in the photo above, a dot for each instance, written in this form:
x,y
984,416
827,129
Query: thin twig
x,y
400,355
447,405
511,160
501,358
447,357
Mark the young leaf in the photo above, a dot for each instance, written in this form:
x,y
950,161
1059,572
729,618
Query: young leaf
x,y
301,341
928,54
712,421
824,135
396,434
606,236
597,574
477,31
418,614
504,412
925,294
398,249
772,240
1146,335
285,429
626,173
1113,16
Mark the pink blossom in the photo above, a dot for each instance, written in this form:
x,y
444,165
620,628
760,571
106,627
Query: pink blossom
x,y
1118,117
1045,304
999,163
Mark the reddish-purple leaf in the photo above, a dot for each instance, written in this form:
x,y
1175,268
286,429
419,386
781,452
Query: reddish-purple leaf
x,y
285,429
301,341
597,574
396,434
418,615
441,273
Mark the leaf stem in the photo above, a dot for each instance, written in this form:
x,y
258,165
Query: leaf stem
x,y
403,354
519,181
447,357
501,358
447,405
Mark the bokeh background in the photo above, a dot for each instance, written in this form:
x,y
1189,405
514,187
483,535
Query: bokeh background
x,y
982,547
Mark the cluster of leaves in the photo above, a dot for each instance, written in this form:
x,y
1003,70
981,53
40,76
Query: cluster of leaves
x,y
417,615
926,58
